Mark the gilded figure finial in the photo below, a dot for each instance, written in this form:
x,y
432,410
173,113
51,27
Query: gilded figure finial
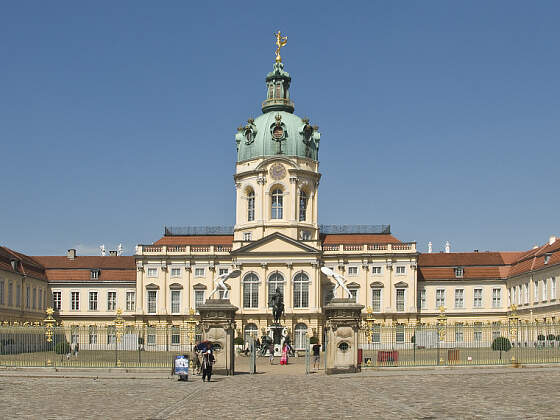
x,y
281,41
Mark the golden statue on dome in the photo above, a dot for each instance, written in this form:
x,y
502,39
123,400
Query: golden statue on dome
x,y
281,41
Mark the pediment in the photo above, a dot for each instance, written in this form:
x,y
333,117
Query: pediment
x,y
276,244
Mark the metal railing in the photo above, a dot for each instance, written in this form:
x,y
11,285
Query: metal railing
x,y
95,346
443,345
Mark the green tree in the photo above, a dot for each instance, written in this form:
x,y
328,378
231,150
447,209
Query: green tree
x,y
313,340
238,340
501,344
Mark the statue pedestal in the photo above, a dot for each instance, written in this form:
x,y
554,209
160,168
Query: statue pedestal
x,y
277,332
217,317
343,318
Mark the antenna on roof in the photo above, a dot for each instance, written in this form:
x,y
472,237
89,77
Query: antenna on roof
x,y
102,247
120,250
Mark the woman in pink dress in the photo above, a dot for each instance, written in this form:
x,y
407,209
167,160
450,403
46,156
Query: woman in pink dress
x,y
284,358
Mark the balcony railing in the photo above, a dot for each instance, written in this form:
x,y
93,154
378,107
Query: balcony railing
x,y
183,249
410,246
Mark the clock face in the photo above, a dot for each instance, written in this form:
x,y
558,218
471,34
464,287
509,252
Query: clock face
x,y
277,171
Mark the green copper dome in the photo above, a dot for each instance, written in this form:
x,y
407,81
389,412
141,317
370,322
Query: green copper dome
x,y
277,131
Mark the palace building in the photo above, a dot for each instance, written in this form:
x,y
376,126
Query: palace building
x,y
278,243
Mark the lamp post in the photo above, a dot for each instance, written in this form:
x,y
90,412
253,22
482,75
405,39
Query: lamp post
x,y
191,330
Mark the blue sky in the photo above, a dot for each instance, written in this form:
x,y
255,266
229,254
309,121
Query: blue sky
x,y
439,118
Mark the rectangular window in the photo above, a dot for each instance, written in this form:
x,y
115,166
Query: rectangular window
x,y
92,334
376,300
477,331
543,289
94,274
376,334
175,335
526,293
152,301
401,269
198,298
18,296
459,272
175,272
199,272
111,335
375,270
130,301
536,291
459,298
459,332
495,328
518,294
553,288
305,235
10,294
152,272
422,299
353,271
400,300
34,298
40,297
512,301
354,293
27,296
111,301
440,298
151,332
2,292
75,301
93,301
175,301
496,298
45,297
399,333
223,271
247,236
477,298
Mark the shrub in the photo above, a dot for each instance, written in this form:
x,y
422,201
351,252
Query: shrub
x,y
62,348
501,344
540,337
238,340
313,340
550,337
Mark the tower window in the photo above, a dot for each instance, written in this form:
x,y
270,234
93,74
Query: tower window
x,y
302,206
251,206
277,204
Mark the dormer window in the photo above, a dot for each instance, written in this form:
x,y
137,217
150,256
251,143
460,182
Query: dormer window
x,y
14,263
459,272
546,258
94,274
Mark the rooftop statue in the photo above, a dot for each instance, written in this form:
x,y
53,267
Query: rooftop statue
x,y
281,41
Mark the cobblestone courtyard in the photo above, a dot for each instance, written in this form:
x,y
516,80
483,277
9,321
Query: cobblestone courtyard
x,y
410,394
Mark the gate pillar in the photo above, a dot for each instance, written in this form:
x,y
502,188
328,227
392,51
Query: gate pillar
x,y
342,325
217,317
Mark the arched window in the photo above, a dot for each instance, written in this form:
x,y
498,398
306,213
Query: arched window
x,y
275,281
277,204
251,291
251,206
300,341
250,329
302,206
301,290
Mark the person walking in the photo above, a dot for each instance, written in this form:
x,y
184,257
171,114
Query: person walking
x,y
316,355
271,353
284,358
207,362
76,349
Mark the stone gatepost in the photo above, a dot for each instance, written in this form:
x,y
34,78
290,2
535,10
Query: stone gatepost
x,y
217,318
343,318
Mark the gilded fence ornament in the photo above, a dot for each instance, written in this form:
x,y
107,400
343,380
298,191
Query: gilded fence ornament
x,y
50,323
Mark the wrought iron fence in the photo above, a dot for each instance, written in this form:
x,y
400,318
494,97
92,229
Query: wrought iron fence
x,y
473,344
94,346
